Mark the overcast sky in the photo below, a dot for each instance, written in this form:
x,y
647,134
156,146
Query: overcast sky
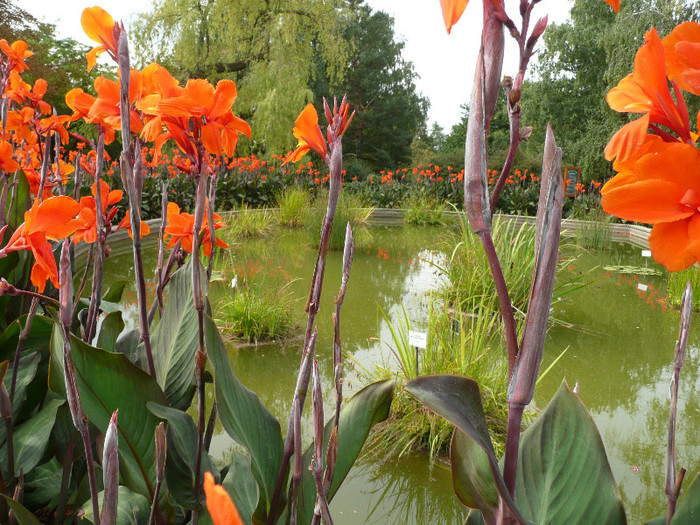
x,y
445,63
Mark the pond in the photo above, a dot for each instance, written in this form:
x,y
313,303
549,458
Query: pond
x,y
620,343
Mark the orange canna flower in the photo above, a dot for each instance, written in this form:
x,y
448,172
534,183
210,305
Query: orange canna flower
x,y
51,219
16,53
219,504
181,228
203,113
661,186
309,135
125,224
646,91
99,26
86,223
7,163
682,49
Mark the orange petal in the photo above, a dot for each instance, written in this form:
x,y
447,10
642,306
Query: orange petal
x,y
648,201
628,139
54,217
452,11
669,243
221,508
224,97
97,24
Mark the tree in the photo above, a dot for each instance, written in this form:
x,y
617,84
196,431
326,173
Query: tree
x,y
582,60
270,48
380,87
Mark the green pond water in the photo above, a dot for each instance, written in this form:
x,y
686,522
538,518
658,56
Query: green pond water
x,y
620,343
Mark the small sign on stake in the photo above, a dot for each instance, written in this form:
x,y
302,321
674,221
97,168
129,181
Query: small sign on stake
x,y
417,340
642,287
646,253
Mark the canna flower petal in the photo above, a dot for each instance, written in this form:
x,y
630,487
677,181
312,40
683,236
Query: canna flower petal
x,y
670,244
221,508
99,26
452,11
628,139
682,49
309,135
16,53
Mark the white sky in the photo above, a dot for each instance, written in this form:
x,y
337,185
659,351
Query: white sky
x,y
444,62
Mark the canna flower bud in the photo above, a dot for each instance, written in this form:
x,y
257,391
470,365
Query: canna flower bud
x,y
537,31
110,472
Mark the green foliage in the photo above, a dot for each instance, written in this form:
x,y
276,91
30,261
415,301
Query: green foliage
x,y
292,206
677,282
248,222
456,344
351,209
255,315
421,209
380,86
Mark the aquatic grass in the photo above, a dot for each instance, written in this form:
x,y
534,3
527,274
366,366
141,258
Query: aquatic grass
x,y
254,316
421,209
457,343
248,222
676,285
595,232
292,207
351,209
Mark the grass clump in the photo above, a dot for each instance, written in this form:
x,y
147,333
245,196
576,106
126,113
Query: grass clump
x,y
254,316
351,209
460,344
595,232
249,222
292,207
423,210
676,286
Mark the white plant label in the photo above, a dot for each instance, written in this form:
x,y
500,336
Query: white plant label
x,y
419,339
642,287
646,253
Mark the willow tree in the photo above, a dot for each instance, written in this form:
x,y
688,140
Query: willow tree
x,y
269,47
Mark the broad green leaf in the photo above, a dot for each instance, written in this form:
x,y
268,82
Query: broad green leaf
x,y
471,475
26,371
245,418
241,486
128,344
563,472
108,382
687,509
458,400
22,515
42,485
182,453
112,326
15,215
38,338
31,438
132,508
175,340
364,410
114,292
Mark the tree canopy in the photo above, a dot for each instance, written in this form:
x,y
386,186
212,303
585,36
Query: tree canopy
x,y
580,62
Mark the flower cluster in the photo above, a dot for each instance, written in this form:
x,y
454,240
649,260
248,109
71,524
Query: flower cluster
x,y
656,159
